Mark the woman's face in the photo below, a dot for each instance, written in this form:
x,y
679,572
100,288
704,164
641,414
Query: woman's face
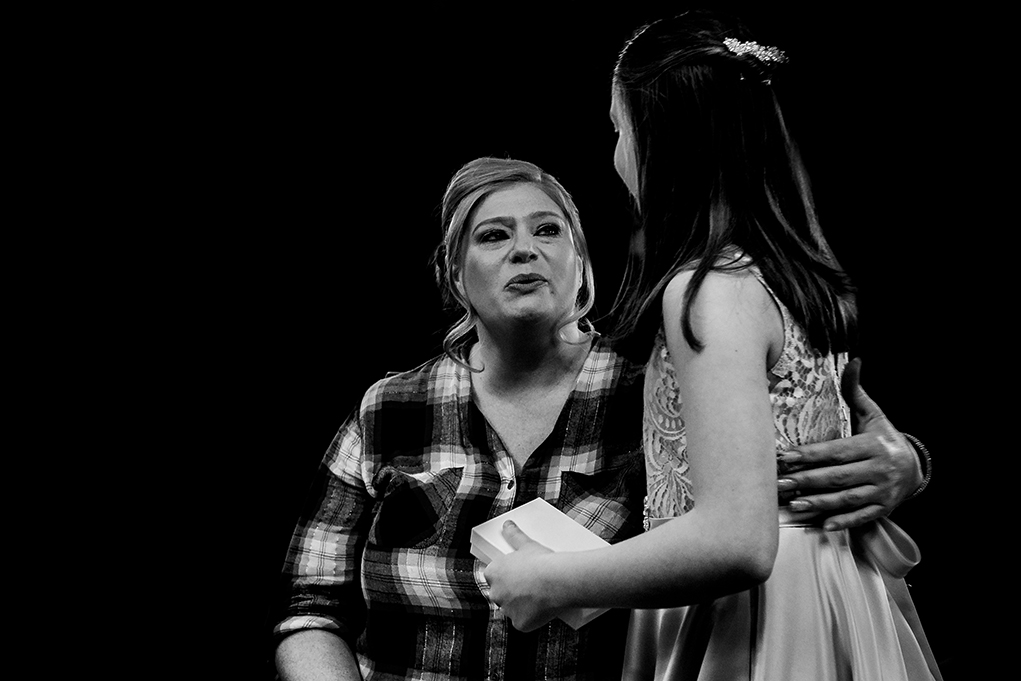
x,y
520,262
624,159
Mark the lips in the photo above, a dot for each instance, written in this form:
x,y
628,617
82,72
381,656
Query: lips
x,y
525,279
526,282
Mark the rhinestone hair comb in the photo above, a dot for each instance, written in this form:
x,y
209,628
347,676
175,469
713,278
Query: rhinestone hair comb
x,y
761,52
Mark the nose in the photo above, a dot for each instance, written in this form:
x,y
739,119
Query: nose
x,y
523,249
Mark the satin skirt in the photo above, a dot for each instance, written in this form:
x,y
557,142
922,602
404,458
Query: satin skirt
x,y
835,608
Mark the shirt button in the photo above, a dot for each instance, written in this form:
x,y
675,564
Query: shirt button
x,y
510,484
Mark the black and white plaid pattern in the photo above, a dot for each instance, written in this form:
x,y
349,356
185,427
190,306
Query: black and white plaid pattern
x,y
381,554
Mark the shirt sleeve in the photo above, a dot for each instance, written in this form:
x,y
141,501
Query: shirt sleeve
x,y
321,574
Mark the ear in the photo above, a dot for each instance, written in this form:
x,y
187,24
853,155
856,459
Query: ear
x,y
458,283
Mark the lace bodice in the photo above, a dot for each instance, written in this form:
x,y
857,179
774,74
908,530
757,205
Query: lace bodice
x,y
804,392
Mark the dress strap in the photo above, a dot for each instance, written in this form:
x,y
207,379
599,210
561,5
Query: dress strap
x,y
788,354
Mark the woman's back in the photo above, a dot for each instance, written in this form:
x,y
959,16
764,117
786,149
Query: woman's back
x,y
835,605
804,393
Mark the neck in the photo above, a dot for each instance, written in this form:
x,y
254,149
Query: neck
x,y
527,358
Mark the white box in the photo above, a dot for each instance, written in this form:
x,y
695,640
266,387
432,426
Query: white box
x,y
548,526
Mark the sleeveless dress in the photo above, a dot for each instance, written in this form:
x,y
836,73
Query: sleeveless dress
x,y
835,607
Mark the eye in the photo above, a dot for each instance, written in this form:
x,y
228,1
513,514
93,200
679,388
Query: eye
x,y
491,235
549,229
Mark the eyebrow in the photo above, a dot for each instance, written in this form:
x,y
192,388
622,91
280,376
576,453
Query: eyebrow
x,y
507,221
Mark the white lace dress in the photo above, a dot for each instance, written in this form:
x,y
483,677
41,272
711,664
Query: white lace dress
x,y
835,607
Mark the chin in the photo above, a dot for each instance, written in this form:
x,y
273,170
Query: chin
x,y
534,313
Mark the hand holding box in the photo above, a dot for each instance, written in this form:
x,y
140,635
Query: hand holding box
x,y
548,526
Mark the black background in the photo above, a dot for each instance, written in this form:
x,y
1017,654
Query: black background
x,y
302,160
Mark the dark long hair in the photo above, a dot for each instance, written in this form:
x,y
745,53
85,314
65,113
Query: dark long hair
x,y
717,173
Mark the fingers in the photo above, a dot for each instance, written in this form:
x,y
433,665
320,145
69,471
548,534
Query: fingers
x,y
841,501
522,623
831,452
514,535
853,393
843,477
863,408
850,382
849,508
846,521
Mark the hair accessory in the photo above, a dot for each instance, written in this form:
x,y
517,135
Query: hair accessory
x,y
763,53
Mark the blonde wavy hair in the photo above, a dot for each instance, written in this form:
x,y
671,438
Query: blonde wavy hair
x,y
470,186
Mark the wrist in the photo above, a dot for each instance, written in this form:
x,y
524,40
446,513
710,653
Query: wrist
x,y
563,580
554,580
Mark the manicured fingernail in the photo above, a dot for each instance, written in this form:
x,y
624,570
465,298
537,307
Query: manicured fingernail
x,y
790,457
785,484
800,505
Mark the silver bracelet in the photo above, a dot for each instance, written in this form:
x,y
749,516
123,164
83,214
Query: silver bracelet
x,y
925,459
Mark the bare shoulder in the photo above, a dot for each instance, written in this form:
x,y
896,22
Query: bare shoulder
x,y
720,291
727,303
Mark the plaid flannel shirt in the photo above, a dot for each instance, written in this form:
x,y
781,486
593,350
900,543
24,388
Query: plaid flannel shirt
x,y
381,555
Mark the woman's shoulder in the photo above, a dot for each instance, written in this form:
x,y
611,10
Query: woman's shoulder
x,y
731,298
438,375
614,367
732,279
729,262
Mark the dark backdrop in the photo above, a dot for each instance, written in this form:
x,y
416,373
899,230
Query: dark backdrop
x,y
308,155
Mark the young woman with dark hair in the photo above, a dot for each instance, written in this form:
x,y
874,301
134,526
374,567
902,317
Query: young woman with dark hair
x,y
745,317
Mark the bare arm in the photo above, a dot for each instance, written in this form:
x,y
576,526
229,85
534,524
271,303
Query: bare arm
x,y
729,540
860,478
316,655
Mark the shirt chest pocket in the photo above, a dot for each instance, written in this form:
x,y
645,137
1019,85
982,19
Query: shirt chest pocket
x,y
608,502
412,509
